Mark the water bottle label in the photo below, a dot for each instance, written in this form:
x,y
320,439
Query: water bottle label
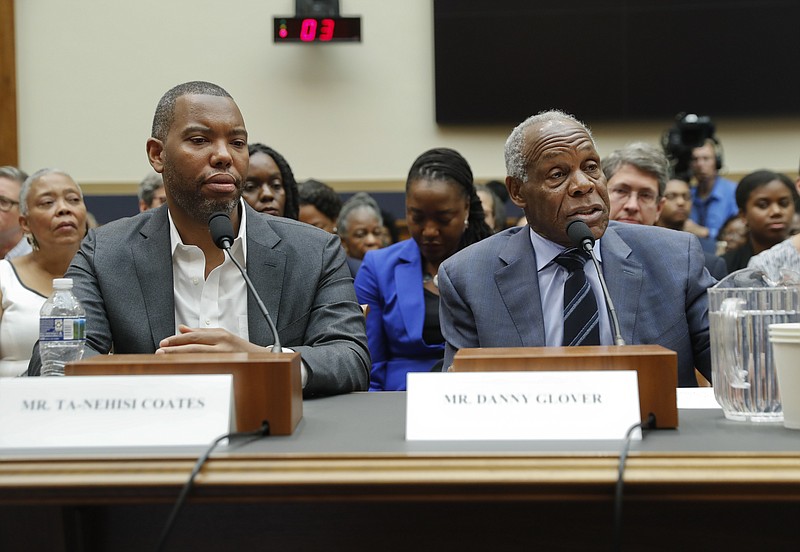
x,y
62,329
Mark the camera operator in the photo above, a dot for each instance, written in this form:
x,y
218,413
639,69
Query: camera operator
x,y
695,154
713,197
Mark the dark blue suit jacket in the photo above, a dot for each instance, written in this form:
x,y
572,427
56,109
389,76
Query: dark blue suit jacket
x,y
390,282
656,278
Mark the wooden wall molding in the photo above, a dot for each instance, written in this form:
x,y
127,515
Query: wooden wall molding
x,y
9,154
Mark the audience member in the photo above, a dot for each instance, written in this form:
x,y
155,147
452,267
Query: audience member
x,y
399,283
785,255
360,227
636,176
675,213
270,186
151,192
713,198
155,283
12,242
766,203
493,209
319,205
53,218
677,205
489,298
499,189
391,234
732,235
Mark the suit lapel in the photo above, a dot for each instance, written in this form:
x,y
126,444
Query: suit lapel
x,y
407,276
152,260
623,277
266,266
519,287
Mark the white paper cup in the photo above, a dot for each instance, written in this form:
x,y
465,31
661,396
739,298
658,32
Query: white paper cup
x,y
785,339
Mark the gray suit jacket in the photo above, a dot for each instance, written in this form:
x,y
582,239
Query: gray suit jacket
x,y
123,278
656,278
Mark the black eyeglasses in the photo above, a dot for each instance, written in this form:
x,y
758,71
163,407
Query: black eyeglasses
x,y
6,204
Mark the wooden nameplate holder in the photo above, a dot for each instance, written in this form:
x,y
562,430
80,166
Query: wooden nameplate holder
x,y
266,386
656,366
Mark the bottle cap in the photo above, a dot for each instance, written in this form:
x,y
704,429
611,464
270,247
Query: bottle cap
x,y
62,283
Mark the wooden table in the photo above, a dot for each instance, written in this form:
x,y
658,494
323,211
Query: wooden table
x,y
348,480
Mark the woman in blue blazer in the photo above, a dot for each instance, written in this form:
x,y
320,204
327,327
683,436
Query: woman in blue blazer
x,y
399,283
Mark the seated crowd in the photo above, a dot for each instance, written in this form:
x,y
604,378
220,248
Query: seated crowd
x,y
461,279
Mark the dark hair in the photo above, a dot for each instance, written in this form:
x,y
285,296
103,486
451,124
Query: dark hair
x,y
390,223
498,207
320,195
165,110
499,189
447,164
757,179
292,207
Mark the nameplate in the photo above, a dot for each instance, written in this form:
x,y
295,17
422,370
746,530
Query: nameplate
x,y
521,405
115,411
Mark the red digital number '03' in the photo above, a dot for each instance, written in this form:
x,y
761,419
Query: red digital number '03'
x,y
308,30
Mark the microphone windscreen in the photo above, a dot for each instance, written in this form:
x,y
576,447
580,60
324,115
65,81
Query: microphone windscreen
x,y
221,229
578,233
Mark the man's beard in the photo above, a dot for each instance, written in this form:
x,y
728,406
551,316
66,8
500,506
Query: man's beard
x,y
197,206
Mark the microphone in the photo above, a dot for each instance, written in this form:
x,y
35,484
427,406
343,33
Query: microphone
x,y
582,238
221,229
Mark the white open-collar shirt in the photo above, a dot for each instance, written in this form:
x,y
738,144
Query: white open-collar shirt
x,y
220,301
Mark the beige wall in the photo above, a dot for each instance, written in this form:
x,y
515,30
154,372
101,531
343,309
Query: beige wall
x,y
90,73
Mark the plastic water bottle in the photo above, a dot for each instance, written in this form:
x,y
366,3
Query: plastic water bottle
x,y
62,329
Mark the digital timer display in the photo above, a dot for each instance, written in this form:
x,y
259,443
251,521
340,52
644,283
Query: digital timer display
x,y
311,29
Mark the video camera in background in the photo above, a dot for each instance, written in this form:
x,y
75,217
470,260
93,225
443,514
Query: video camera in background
x,y
690,131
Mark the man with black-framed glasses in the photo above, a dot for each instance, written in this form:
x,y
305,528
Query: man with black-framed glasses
x,y
12,241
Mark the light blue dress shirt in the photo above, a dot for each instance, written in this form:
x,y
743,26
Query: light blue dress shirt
x,y
551,289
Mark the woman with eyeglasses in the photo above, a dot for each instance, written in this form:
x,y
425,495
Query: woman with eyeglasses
x,y
53,218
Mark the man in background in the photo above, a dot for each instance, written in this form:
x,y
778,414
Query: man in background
x,y
12,241
151,192
636,176
675,215
637,186
713,197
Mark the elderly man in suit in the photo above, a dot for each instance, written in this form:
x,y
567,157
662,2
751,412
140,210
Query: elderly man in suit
x,y
157,283
509,290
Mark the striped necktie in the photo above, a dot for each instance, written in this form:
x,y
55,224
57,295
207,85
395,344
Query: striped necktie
x,y
581,319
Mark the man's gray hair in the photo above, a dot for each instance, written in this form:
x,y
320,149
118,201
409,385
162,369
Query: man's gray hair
x,y
148,186
31,180
13,173
516,164
642,156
